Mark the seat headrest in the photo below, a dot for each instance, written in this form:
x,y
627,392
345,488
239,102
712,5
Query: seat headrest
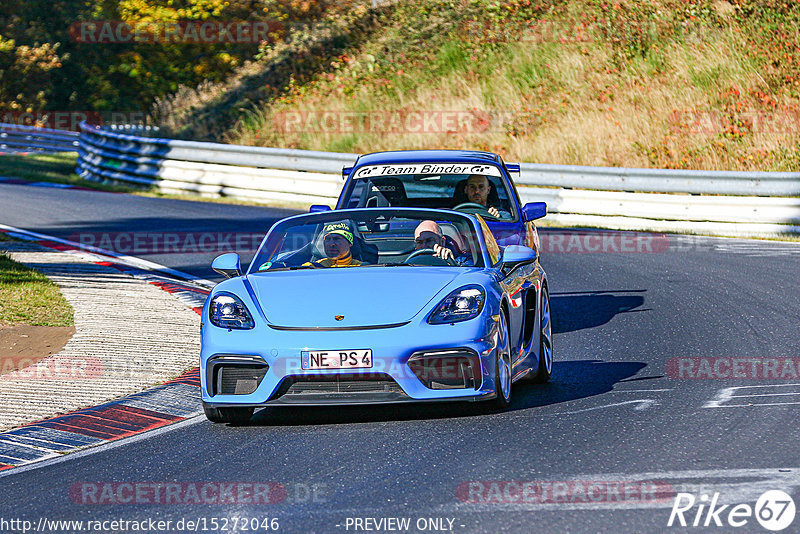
x,y
392,189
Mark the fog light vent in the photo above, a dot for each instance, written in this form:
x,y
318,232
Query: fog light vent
x,y
235,374
452,369
239,380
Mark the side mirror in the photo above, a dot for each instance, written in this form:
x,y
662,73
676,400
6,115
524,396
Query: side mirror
x,y
346,172
318,208
534,210
515,255
227,265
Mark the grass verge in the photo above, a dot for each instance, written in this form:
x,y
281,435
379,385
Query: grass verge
x,y
56,168
29,297
59,168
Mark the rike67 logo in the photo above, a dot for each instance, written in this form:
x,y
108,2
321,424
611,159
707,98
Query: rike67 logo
x,y
774,510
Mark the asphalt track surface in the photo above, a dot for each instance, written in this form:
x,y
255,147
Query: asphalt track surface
x,y
614,412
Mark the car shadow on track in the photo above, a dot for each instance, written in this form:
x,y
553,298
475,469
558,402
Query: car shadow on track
x,y
571,380
576,310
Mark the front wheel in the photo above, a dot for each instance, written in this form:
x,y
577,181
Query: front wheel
x,y
502,366
235,416
545,340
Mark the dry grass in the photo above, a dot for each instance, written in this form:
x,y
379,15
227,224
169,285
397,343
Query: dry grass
x,y
562,103
208,111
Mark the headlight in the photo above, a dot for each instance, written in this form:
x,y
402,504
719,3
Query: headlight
x,y
460,305
227,311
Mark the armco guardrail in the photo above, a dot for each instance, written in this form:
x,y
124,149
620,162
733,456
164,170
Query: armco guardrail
x,y
20,138
662,180
266,174
731,203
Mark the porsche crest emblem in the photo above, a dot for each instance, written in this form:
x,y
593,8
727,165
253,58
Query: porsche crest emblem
x,y
339,317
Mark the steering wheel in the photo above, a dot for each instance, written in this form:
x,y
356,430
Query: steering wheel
x,y
430,252
474,207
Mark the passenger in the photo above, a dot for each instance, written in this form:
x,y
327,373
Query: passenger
x,y
428,234
477,191
338,239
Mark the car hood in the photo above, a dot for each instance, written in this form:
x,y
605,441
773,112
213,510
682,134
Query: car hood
x,y
368,296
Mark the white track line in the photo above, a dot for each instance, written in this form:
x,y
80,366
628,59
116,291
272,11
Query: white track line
x,y
131,261
725,394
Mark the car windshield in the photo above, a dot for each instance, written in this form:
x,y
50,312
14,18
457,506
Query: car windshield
x,y
468,188
370,238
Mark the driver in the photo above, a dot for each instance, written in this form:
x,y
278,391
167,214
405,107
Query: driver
x,y
477,191
338,239
428,235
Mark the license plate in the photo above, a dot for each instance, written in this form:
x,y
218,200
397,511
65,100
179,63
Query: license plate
x,y
336,359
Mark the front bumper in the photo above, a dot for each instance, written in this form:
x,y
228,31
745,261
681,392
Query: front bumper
x,y
270,369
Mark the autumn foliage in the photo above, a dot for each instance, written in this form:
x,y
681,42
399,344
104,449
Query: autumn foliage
x,y
42,67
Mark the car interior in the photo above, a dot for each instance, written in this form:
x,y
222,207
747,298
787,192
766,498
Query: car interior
x,y
421,191
376,242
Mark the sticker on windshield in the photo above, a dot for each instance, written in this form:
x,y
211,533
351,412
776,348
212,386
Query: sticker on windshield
x,y
374,171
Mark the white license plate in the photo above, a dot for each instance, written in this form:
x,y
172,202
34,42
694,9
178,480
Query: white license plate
x,y
336,359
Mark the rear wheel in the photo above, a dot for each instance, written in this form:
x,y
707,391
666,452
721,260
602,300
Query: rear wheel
x,y
502,369
236,416
545,340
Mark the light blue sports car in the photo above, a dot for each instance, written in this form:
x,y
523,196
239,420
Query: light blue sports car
x,y
374,305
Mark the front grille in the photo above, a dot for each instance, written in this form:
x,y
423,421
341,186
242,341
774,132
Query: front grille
x,y
328,387
239,380
376,387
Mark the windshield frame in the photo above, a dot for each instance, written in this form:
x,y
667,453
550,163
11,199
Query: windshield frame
x,y
336,215
511,190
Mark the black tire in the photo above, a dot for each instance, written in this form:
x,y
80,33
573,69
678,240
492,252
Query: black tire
x,y
235,416
503,355
545,368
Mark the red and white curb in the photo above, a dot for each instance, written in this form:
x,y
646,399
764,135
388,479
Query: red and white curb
x,y
159,406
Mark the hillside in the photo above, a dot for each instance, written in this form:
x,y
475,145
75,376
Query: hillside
x,y
109,58
676,84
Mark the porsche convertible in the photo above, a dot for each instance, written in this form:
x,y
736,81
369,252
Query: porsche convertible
x,y
374,305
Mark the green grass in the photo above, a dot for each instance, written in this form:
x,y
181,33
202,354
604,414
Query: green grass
x,y
57,168
29,297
